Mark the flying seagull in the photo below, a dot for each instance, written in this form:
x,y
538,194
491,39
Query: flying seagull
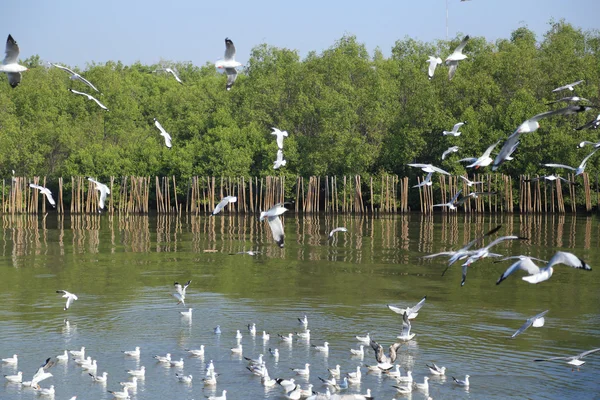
x,y
228,63
485,159
279,161
469,182
169,71
280,135
550,178
44,191
426,181
226,200
573,360
455,128
463,252
568,86
180,291
103,189
163,133
536,321
450,150
412,311
452,203
568,99
69,296
593,124
578,170
406,325
433,63
90,97
10,64
272,216
455,57
76,76
41,374
429,168
537,274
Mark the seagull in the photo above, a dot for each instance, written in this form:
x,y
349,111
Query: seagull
x,y
435,370
433,63
70,298
99,378
304,335
463,252
411,311
222,397
226,200
275,224
166,359
103,189
217,330
12,360
238,335
78,353
573,360
90,97
287,338
568,86
450,150
169,71
133,353
462,383
47,392
211,378
394,373
187,313
356,374
485,158
530,125
424,387
44,191
426,181
334,372
252,329
184,378
403,389
237,349
535,321
550,178
265,336
302,371
279,161
578,170
454,131
257,361
75,76
429,168
537,274
81,362
120,395
280,135
10,64
137,373
406,325
274,352
177,364
381,357
324,348
18,378
163,133
196,352
452,203
228,63
364,339
469,182
180,291
408,378
130,384
585,143
568,99
455,57
63,357
93,366
303,321
339,229
360,352
42,373
593,124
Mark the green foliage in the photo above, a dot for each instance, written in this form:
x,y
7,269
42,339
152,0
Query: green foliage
x,y
346,111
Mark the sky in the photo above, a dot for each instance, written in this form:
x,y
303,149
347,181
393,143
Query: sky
x,y
77,33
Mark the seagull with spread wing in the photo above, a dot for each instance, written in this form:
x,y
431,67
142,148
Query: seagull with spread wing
x,y
433,63
578,170
455,128
90,97
10,65
169,71
272,216
228,63
75,76
44,191
569,86
455,57
103,189
163,133
226,200
536,321
537,274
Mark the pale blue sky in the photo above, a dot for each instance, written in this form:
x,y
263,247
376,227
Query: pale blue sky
x,y
77,32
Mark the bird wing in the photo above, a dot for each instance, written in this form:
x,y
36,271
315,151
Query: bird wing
x,y
503,238
465,269
276,229
570,259
48,194
82,79
64,68
452,70
14,78
167,139
443,253
582,165
586,353
231,76
229,50
526,264
455,197
439,170
528,323
220,206
169,70
480,238
12,51
77,92
406,325
379,354
159,126
418,306
560,166
433,62
457,126
102,106
462,45
489,149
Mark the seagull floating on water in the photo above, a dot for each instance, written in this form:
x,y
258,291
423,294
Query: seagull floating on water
x,y
138,373
18,378
70,298
133,353
184,378
222,397
228,63
461,382
196,352
90,97
10,65
536,321
11,360
435,370
99,378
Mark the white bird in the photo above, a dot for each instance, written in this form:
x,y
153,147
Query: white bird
x,y
237,349
360,352
222,397
455,57
573,360
45,192
10,64
454,131
163,359
274,353
177,364
63,357
103,189
408,378
256,361
187,313
356,374
339,229
302,371
47,391
568,99
137,373
210,368
11,360
81,362
169,71
184,378
210,379
585,143
403,389
536,321
238,334
450,150
228,63
196,352
100,378
304,335
412,312
226,200
303,321
75,76
569,86
406,325
426,181
130,384
265,336
274,221
280,135
433,63
394,373
469,182
70,299
163,133
78,353
180,291
252,329
90,97
279,161
429,168
287,338
267,381
120,395
452,203
578,170
593,124
385,361
41,373
424,387
364,339
461,382
323,349
18,378
435,370
93,366
537,274
485,158
133,353
335,372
